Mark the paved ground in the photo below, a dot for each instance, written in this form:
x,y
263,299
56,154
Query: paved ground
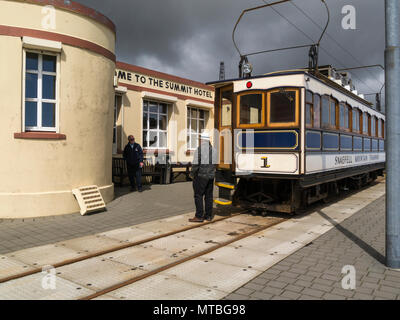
x,y
314,272
156,202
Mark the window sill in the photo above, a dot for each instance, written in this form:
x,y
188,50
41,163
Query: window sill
x,y
40,135
190,152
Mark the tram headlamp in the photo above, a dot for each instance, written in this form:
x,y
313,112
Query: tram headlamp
x,y
247,68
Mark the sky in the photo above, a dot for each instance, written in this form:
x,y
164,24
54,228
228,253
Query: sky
x,y
189,38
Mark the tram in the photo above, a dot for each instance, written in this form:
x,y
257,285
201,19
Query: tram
x,y
290,138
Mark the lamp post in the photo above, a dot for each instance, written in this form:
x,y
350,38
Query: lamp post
x,y
392,66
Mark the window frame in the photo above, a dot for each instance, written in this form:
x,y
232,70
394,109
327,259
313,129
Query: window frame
x,y
254,125
297,109
317,111
189,131
39,99
146,144
312,113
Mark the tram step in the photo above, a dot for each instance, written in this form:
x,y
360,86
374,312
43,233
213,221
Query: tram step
x,y
223,202
225,185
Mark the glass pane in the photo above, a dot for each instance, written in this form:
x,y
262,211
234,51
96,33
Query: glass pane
x,y
153,139
202,114
48,115
49,87
325,110
250,108
163,123
145,122
346,118
333,113
153,107
283,106
31,85
201,125
49,63
163,140
145,106
153,120
342,116
30,114
308,114
188,124
226,108
194,113
226,114
188,141
32,61
163,108
317,110
309,97
365,123
195,141
194,125
145,144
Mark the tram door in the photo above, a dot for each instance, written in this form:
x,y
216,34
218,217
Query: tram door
x,y
225,127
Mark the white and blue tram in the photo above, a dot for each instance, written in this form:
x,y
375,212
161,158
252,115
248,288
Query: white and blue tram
x,y
291,138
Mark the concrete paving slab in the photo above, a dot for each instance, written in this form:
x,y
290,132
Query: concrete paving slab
x,y
212,274
98,273
90,244
30,288
162,287
44,255
10,267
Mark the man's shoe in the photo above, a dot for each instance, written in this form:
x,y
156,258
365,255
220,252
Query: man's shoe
x,y
195,219
140,190
209,219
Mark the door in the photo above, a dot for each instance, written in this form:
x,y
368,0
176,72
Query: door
x,y
225,127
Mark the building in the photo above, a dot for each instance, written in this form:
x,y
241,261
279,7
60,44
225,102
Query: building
x,y
165,113
61,106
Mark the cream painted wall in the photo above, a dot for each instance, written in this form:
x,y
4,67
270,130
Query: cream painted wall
x,y
37,176
26,15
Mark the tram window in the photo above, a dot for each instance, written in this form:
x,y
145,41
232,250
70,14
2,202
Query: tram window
x,y
309,109
373,126
347,117
325,110
333,113
226,108
380,128
365,123
317,110
251,109
356,121
342,111
282,107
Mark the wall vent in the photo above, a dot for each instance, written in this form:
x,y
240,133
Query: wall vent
x,y
89,199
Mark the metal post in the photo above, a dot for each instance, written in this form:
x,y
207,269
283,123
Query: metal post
x,y
392,62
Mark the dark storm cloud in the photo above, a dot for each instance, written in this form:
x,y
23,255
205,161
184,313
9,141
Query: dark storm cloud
x,y
190,37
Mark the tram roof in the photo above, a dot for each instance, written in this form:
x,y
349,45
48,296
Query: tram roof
x,y
319,77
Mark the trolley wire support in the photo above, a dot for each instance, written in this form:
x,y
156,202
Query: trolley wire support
x,y
314,48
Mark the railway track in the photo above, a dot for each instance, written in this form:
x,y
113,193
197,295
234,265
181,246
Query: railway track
x,y
132,262
235,227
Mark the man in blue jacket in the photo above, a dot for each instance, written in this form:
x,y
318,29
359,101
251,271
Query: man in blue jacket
x,y
133,154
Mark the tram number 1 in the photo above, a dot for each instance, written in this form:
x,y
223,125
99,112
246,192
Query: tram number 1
x,y
266,165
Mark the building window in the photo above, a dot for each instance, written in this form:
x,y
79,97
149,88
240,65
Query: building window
x,y
196,123
155,124
40,101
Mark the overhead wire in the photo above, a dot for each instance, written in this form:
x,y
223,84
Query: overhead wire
x,y
306,35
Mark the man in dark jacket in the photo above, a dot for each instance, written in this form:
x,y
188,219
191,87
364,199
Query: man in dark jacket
x,y
133,154
203,174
